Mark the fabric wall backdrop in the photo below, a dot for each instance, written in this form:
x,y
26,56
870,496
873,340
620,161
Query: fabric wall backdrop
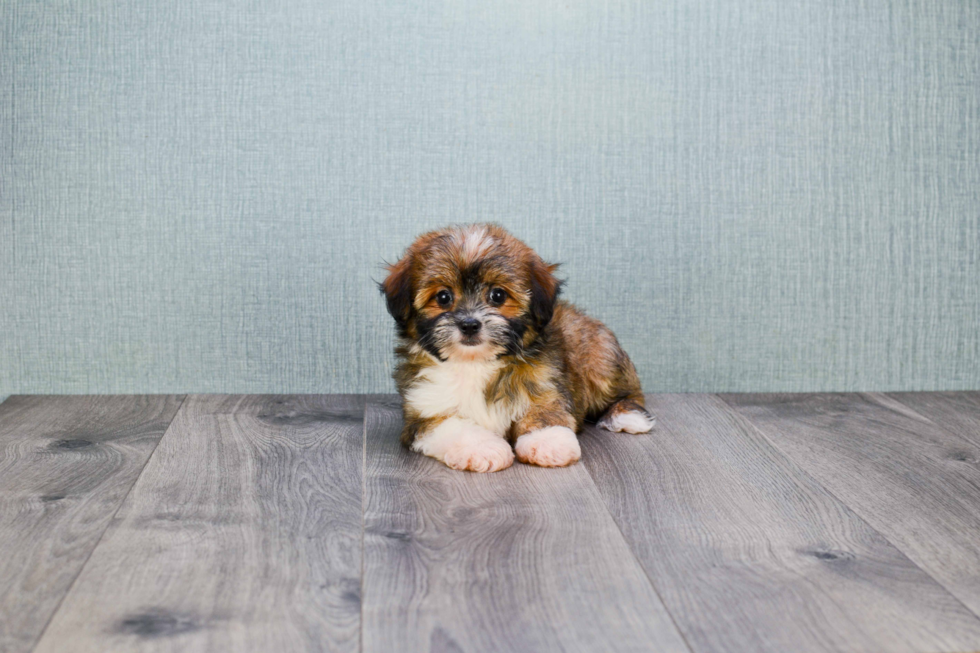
x,y
755,195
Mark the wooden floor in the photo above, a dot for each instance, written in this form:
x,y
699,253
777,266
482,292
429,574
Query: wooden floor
x,y
847,522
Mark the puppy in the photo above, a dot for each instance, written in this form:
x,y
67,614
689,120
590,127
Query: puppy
x,y
488,357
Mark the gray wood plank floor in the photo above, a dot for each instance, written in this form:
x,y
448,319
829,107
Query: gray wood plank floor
x,y
66,464
242,533
298,523
913,481
441,547
958,412
727,526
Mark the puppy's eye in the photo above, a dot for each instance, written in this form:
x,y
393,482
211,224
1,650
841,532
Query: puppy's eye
x,y
444,298
498,296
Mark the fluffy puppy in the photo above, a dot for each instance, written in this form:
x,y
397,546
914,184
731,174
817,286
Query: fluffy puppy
x,y
488,357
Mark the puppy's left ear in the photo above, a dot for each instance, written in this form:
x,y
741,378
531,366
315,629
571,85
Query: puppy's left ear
x,y
545,288
397,288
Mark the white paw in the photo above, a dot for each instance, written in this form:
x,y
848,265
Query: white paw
x,y
553,446
631,422
480,455
465,446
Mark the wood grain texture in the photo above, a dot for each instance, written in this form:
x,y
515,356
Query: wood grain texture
x,y
751,554
524,559
916,483
66,464
243,533
958,412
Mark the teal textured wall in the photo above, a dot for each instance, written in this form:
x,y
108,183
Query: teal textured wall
x,y
755,195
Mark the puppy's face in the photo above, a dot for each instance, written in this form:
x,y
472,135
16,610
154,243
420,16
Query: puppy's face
x,y
470,293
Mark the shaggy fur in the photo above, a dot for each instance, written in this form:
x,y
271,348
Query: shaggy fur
x,y
487,350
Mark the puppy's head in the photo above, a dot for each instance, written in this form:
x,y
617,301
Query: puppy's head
x,y
471,293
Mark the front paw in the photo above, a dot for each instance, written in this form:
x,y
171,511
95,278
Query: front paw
x,y
553,446
483,454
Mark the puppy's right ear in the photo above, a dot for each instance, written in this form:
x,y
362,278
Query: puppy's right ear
x,y
544,291
397,288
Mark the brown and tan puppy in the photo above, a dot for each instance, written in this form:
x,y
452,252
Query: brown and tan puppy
x,y
490,358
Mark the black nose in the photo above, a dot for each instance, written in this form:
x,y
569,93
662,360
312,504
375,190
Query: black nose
x,y
469,326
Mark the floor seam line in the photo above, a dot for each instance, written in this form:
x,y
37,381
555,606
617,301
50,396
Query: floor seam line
x,y
653,586
363,507
115,512
847,505
941,427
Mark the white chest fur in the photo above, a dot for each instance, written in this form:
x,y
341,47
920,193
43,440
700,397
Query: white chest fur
x,y
455,388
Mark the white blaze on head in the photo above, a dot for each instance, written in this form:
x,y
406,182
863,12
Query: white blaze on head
x,y
475,242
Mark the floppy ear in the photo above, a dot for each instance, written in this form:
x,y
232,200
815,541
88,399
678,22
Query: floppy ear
x,y
397,288
544,291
